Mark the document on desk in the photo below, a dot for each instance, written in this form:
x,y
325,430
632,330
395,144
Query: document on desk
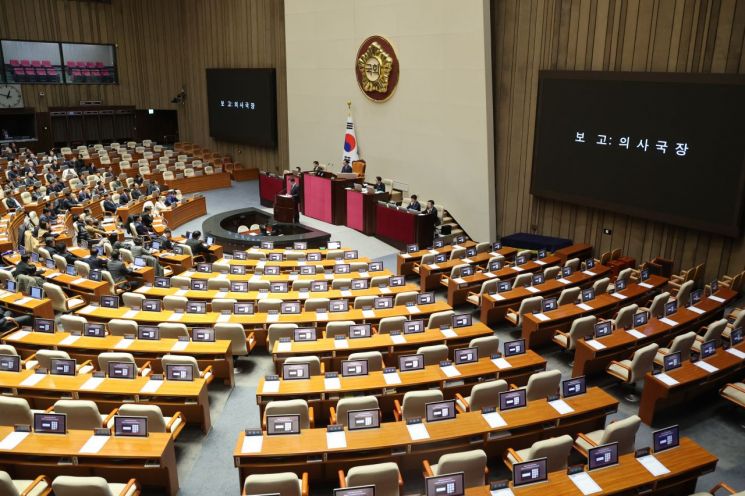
x,y
346,293
706,366
669,322
533,289
174,317
223,318
151,386
584,306
417,431
87,309
540,262
646,285
221,294
450,371
69,340
501,363
655,467
179,345
490,275
272,317
561,406
12,440
666,379
585,483
459,280
736,352
187,273
515,268
433,266
368,314
697,310
717,299
92,383
392,378
588,273
270,387
32,379
494,419
94,444
331,383
335,440
618,295
341,344
181,292
328,276
130,314
79,280
413,309
260,264
292,277
18,335
124,343
406,255
449,333
252,444
636,334
398,339
541,316
564,281
594,343
385,290
502,492
284,347
322,316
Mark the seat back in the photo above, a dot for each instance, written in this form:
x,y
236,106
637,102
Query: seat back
x,y
684,293
340,328
7,488
384,476
489,286
714,330
434,354
81,414
215,284
551,272
569,295
173,302
15,411
456,270
45,357
314,364
625,317
523,280
344,405
529,305
315,304
364,301
57,296
236,335
113,356
66,485
120,327
439,319
543,384
601,285
486,345
657,308
73,323
623,432
457,253
60,263
268,304
155,420
405,298
414,401
278,331
581,327
642,361
171,330
556,449
682,343
284,483
223,304
131,300
374,359
573,263
388,324
290,407
486,394
180,360
471,463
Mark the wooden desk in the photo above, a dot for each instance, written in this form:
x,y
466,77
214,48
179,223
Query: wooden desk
x,y
331,354
269,186
185,211
494,307
693,381
538,332
429,274
19,303
459,288
216,354
405,261
190,398
200,183
210,294
582,251
292,264
286,276
315,391
361,209
686,463
620,344
151,460
400,228
258,322
307,451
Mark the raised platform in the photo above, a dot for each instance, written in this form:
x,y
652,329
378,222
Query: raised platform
x,y
224,228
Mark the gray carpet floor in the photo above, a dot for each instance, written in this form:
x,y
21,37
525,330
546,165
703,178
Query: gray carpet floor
x,y
205,463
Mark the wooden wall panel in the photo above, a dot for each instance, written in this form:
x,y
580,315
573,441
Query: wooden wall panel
x,y
162,46
608,35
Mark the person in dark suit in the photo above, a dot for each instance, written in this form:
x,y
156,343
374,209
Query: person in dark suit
x,y
431,210
124,197
317,170
109,205
153,187
94,262
140,228
24,268
295,193
165,240
136,194
197,247
147,218
11,203
61,250
347,167
171,198
379,186
116,267
414,205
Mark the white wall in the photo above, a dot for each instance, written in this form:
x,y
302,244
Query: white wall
x,y
435,132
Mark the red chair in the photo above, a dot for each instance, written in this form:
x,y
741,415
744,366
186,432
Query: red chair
x,y
76,75
14,63
35,63
25,63
99,65
90,65
46,63
18,75
81,65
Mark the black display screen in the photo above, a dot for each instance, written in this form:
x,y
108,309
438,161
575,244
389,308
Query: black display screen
x,y
666,147
242,105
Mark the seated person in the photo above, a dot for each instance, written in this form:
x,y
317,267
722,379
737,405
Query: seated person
x,y
379,186
414,204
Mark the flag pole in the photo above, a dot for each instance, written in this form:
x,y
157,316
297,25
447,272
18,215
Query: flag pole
x,y
349,108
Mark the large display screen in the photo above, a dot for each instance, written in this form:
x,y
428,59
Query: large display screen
x,y
665,147
243,105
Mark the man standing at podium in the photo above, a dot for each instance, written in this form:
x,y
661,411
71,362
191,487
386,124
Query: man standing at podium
x,y
295,193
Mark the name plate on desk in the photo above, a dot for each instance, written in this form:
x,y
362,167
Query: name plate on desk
x,y
533,289
69,340
340,342
645,285
561,406
12,440
706,366
595,344
449,369
18,335
666,379
542,317
669,322
448,333
33,379
585,483
584,306
564,281
636,334
397,338
696,310
717,299
734,351
94,444
92,384
618,295
653,465
331,381
501,363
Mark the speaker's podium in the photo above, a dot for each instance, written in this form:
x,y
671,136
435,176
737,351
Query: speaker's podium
x,y
285,208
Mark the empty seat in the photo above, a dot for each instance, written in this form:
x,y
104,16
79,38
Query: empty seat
x,y
314,363
433,354
156,421
413,403
471,463
581,327
439,319
556,449
374,359
543,384
41,486
175,303
486,346
621,431
277,332
239,344
291,407
284,483
345,405
384,476
65,485
81,414
483,395
680,344
172,330
340,328
528,305
389,324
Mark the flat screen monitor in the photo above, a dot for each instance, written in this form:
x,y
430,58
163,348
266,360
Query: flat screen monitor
x,y
304,334
573,387
121,370
355,491
640,319
36,293
196,307
708,349
243,308
549,304
425,298
238,270
140,262
516,347
538,279
152,305
461,320
413,326
360,283
375,266
495,266
620,284
162,282
148,333
314,257
295,371
70,270
203,335
360,331
271,270
239,286
319,286
441,258
11,286
439,410
94,330
396,281
695,296
671,307
279,287
671,361
109,301
44,325
438,243
445,485
351,368
588,294
530,472
130,426
665,439
412,248
407,363
282,424
63,366
468,271
307,270
590,263
466,355
383,302
10,363
736,336
516,398
363,419
275,257
198,284
289,307
503,286
604,328
351,255
602,456
178,250
339,306
50,423
299,245
179,372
